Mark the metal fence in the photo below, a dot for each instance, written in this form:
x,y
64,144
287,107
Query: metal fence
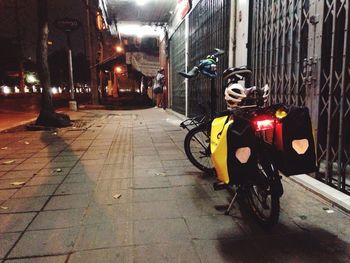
x,y
301,49
334,100
177,64
208,29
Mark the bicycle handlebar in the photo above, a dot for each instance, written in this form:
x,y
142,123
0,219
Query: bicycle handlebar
x,y
206,66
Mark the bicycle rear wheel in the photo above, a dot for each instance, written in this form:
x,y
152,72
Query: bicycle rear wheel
x,y
263,197
197,147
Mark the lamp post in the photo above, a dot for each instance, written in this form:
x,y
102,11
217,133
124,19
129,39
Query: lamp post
x,y
67,25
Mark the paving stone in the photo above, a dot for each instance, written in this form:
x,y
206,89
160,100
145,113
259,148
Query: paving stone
x,y
7,240
7,167
82,178
7,184
104,198
105,235
57,219
180,180
50,259
19,174
6,194
149,165
119,254
53,172
147,232
29,166
99,162
230,250
75,188
82,169
34,191
176,163
24,204
113,171
53,180
72,154
68,202
200,207
213,227
155,210
45,242
15,222
55,165
112,185
139,172
150,195
101,214
194,191
173,253
152,182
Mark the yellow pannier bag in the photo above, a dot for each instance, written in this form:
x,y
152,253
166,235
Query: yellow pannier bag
x,y
218,147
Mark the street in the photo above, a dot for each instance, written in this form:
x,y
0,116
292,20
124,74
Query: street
x,y
117,187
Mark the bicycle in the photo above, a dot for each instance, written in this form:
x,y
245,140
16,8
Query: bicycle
x,y
197,140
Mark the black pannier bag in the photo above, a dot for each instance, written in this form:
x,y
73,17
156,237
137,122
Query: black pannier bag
x,y
241,153
294,142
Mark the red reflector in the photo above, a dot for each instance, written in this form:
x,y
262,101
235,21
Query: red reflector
x,y
264,124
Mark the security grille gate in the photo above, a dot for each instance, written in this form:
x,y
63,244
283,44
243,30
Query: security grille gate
x,y
208,29
177,64
301,49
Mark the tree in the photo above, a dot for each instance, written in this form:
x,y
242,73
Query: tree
x,y
47,116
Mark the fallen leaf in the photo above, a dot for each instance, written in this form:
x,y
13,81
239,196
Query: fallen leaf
x,y
303,217
4,148
18,183
117,196
329,211
4,207
9,162
58,170
55,133
160,174
26,143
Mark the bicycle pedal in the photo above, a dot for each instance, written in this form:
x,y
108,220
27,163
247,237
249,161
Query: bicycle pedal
x,y
219,186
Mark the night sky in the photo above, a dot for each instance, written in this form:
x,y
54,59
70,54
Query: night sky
x,y
28,23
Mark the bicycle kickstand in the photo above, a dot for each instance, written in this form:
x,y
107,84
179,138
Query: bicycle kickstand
x,y
227,212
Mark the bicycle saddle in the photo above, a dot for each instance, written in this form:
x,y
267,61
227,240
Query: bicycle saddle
x,y
192,73
237,74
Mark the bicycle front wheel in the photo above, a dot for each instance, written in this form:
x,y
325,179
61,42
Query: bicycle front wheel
x,y
197,148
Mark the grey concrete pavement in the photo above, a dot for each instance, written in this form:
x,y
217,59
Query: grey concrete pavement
x,y
117,187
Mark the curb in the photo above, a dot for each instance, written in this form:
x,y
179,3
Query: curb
x,y
330,194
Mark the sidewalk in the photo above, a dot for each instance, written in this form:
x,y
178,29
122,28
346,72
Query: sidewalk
x,y
118,188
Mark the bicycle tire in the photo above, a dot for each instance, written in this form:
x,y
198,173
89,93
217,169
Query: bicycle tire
x,y
199,137
252,191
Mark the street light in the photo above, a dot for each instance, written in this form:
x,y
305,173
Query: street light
x,y
119,49
118,70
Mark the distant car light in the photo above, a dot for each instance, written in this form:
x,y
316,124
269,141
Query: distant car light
x,y
6,89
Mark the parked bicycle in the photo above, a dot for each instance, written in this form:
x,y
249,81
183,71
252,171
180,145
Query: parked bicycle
x,y
249,143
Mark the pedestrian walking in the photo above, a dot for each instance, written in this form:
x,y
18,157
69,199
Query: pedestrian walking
x,y
158,87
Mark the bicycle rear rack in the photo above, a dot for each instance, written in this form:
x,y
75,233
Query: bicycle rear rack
x,y
190,123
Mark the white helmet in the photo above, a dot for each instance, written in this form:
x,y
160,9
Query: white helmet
x,y
234,94
266,90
